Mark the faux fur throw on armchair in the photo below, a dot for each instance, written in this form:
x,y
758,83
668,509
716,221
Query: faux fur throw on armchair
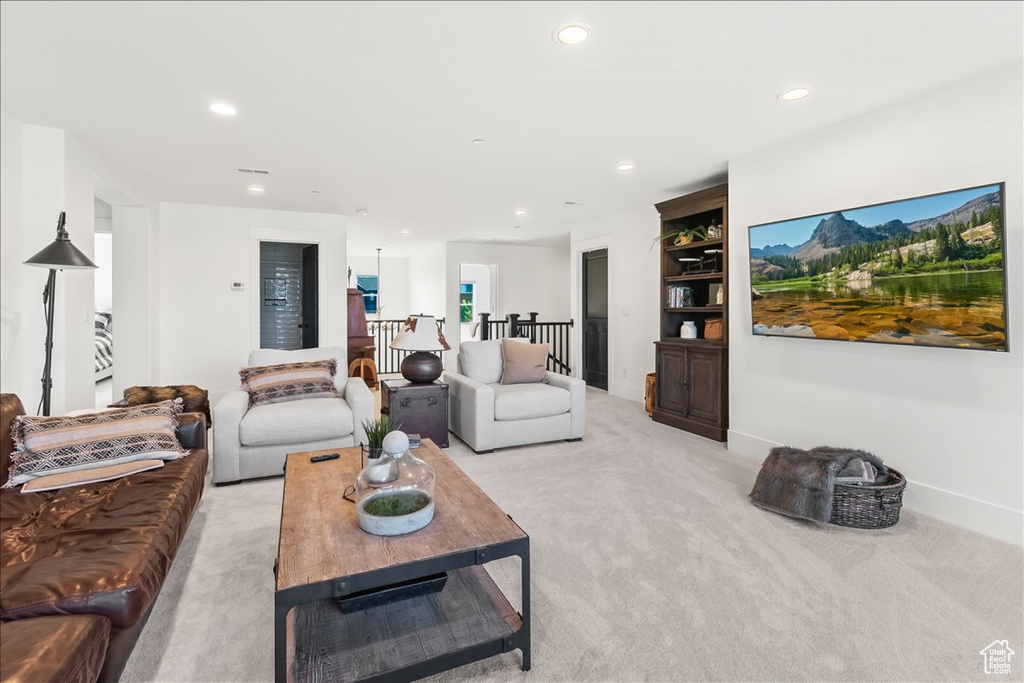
x,y
799,483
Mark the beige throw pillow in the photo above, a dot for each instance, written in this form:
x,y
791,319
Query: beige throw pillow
x,y
82,477
524,363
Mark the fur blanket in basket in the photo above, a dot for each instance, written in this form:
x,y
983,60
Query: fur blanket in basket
x,y
799,483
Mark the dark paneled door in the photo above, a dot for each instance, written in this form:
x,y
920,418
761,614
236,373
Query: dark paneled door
x,y
310,297
595,318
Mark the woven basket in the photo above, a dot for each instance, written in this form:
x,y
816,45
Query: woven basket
x,y
869,507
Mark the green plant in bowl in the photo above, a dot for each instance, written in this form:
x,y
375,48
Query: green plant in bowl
x,y
396,504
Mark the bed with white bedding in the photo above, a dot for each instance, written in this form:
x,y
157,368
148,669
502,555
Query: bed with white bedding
x,y
104,343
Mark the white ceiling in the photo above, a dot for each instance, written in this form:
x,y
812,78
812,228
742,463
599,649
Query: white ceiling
x,y
375,104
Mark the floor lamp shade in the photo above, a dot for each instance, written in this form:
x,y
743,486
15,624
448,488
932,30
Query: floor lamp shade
x,y
58,255
421,335
61,254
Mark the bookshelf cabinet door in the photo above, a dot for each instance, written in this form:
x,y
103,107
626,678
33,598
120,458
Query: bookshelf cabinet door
x,y
703,379
671,380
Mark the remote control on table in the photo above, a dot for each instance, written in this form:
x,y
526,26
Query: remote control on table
x,y
321,458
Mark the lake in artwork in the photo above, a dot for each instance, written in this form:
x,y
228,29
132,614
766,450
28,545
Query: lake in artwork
x,y
925,271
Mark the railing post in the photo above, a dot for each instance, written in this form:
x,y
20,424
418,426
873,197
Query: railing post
x,y
513,325
533,327
485,326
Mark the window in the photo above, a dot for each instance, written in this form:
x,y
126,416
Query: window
x,y
368,287
466,302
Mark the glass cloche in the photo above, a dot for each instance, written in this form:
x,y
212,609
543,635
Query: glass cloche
x,y
395,492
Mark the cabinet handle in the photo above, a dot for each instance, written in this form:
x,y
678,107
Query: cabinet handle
x,y
432,401
404,402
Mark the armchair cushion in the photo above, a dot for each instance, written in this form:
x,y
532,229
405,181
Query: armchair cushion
x,y
296,422
525,401
481,361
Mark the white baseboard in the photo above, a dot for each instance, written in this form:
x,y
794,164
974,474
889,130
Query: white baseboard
x,y
985,518
627,391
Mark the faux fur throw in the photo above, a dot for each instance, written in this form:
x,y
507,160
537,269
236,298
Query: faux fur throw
x,y
799,483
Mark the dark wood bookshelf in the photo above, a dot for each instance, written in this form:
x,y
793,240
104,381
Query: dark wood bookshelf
x,y
692,375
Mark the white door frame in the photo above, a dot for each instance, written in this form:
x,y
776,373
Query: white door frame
x,y
258,235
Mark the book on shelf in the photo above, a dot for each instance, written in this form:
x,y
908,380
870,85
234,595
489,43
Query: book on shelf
x,y
679,296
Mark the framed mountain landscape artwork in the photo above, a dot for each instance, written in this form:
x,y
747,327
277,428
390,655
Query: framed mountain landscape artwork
x,y
926,271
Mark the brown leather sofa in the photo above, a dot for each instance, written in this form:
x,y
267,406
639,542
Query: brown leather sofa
x,y
81,567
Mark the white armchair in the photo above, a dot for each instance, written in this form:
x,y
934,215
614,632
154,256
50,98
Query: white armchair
x,y
487,414
253,442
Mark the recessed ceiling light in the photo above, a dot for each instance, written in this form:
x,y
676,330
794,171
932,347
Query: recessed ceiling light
x,y
516,227
255,189
405,232
223,108
520,212
625,166
794,94
478,141
361,212
314,191
571,203
572,34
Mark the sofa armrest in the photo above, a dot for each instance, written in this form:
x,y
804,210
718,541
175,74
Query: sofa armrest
x,y
228,414
471,411
362,404
192,431
577,389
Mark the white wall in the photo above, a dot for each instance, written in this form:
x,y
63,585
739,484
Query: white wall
x,y
46,171
427,280
103,276
11,270
633,305
949,419
394,283
207,329
529,279
134,289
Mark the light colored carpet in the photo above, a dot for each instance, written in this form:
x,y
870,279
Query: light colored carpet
x,y
666,573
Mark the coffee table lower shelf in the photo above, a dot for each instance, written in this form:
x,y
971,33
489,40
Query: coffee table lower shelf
x,y
467,621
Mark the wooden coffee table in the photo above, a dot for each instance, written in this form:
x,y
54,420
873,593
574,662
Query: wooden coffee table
x,y
323,555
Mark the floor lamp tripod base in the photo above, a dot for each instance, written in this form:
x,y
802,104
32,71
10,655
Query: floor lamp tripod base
x,y
49,294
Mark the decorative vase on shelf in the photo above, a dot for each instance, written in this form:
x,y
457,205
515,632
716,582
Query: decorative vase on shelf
x,y
688,330
395,492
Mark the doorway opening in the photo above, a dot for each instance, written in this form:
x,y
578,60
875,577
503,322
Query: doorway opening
x,y
289,308
595,318
476,296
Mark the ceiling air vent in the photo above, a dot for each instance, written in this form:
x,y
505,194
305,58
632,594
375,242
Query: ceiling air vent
x,y
257,171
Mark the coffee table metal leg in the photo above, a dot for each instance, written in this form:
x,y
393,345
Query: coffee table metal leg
x,y
525,632
280,639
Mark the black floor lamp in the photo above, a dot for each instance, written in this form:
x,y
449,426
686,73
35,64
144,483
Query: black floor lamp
x,y
60,255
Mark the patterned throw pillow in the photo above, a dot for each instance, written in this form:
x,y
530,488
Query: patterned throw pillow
x,y
53,445
290,381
